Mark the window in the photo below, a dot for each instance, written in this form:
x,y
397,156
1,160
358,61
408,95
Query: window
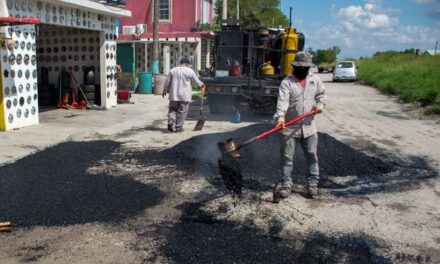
x,y
345,65
164,10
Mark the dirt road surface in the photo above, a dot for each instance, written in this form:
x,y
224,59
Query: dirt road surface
x,y
149,196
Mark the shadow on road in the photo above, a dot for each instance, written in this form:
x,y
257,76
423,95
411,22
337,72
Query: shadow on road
x,y
54,188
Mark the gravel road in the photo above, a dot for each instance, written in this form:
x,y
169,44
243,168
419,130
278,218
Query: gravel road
x,y
149,196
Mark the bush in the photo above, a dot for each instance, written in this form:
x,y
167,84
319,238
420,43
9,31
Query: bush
x,y
413,79
433,110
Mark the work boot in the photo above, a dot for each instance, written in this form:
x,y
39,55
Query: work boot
x,y
178,129
313,191
171,127
284,193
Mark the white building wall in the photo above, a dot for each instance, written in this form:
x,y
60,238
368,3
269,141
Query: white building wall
x,y
65,15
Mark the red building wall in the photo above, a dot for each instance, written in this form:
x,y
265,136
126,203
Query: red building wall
x,y
185,14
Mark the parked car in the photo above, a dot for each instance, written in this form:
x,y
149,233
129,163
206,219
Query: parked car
x,y
345,71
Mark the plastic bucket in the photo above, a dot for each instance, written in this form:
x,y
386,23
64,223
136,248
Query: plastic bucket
x,y
145,83
159,82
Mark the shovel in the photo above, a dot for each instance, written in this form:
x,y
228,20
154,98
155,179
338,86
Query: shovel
x,y
230,170
229,145
202,118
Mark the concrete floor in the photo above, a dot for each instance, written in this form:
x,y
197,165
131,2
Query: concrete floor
x,y
59,125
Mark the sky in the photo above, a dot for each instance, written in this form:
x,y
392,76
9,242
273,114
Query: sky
x,y
363,27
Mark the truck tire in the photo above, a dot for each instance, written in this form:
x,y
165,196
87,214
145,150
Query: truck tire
x,y
221,104
88,88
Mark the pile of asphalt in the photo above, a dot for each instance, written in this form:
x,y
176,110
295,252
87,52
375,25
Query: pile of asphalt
x,y
200,238
261,164
53,187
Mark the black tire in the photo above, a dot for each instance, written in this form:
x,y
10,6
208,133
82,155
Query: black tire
x,y
89,96
221,104
88,88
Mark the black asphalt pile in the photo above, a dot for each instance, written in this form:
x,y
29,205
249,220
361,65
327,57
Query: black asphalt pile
x,y
230,171
223,243
199,238
353,248
260,163
53,187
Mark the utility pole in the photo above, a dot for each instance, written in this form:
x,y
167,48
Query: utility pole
x,y
225,9
436,44
155,62
238,10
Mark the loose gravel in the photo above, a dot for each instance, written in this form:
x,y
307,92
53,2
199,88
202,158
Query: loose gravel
x,y
153,200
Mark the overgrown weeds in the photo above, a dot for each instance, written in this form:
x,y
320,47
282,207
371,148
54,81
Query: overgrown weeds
x,y
415,79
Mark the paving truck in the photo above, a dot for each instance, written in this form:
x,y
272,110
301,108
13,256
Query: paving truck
x,y
248,67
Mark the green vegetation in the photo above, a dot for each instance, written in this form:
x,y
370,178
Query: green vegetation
x,y
415,79
206,26
325,59
327,55
263,12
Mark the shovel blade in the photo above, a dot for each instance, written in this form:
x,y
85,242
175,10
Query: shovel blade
x,y
229,146
200,124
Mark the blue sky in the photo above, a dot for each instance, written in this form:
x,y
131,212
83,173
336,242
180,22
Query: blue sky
x,y
362,27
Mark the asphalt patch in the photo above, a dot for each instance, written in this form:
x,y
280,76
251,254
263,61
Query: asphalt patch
x,y
199,238
260,163
230,171
356,248
54,188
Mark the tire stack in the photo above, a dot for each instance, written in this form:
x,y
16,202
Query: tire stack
x,y
89,87
89,93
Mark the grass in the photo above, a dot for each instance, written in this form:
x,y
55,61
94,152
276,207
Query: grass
x,y
413,79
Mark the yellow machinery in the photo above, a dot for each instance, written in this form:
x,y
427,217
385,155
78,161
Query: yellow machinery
x,y
268,69
289,45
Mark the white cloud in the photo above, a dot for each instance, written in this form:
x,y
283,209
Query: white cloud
x,y
369,16
364,30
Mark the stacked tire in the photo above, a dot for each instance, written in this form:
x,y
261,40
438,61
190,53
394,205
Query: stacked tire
x,y
88,92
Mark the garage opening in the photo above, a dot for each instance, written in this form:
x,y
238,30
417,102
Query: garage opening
x,y
67,58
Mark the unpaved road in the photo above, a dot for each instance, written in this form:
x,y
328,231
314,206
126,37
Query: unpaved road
x,y
148,196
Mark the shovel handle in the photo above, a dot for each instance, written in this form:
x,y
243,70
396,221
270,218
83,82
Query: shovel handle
x,y
201,104
289,123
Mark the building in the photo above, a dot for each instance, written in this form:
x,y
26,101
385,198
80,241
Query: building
x,y
71,36
431,52
178,31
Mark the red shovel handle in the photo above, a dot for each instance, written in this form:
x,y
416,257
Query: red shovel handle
x,y
291,122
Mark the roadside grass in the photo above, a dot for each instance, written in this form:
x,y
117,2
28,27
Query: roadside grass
x,y
413,79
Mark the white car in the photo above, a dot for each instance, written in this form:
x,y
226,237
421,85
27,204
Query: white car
x,y
345,71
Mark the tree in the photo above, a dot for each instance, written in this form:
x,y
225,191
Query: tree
x,y
327,55
262,12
